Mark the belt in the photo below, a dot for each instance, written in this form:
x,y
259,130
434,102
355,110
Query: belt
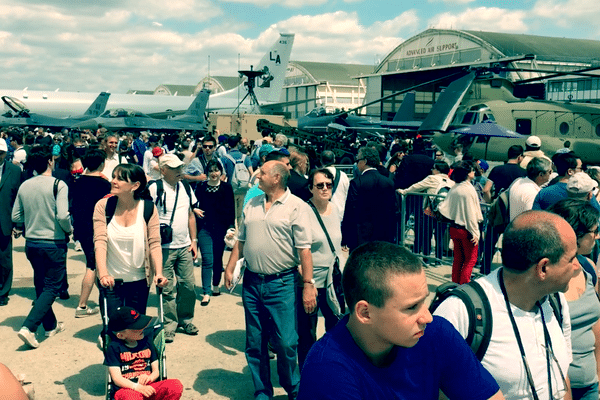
x,y
270,277
455,225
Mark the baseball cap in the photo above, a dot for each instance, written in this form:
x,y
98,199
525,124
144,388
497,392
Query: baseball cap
x,y
3,145
265,149
170,160
128,318
533,141
581,183
157,152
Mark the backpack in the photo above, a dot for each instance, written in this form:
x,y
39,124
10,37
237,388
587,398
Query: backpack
x,y
480,312
161,196
111,206
241,176
499,213
336,181
441,194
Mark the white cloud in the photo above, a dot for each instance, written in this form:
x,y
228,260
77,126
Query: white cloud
x,y
491,19
582,14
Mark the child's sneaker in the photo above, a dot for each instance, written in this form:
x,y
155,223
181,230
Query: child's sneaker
x,y
59,328
28,337
86,312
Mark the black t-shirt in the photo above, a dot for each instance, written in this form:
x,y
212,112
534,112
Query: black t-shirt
x,y
504,175
84,194
133,361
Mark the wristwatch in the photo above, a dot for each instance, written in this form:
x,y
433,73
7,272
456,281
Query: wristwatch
x,y
312,281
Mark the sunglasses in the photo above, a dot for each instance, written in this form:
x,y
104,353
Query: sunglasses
x,y
208,146
322,185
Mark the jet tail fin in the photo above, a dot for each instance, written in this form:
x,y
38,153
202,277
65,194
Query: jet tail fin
x,y
443,110
274,64
406,112
98,106
198,106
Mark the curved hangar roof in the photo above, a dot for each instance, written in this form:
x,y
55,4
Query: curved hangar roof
x,y
309,72
435,48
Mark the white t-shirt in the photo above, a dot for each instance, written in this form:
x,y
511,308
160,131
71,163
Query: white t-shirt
x,y
126,248
503,358
111,163
521,196
181,231
341,192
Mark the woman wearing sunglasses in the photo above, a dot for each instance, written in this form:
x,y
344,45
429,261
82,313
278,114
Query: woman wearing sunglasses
x,y
320,183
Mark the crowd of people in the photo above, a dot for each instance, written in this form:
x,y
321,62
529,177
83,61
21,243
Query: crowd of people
x,y
143,208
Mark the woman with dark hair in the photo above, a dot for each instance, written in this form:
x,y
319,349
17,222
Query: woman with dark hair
x,y
127,245
320,183
216,214
463,210
581,295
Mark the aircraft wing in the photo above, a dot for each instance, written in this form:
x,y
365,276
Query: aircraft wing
x,y
443,110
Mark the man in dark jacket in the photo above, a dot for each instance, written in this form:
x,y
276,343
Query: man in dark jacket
x,y
370,205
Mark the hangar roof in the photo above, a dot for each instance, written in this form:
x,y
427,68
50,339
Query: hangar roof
x,y
333,73
179,90
544,47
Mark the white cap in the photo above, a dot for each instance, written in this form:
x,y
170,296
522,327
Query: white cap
x,y
3,146
533,141
170,160
581,183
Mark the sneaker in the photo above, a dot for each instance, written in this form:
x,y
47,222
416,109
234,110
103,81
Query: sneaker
x,y
216,291
59,328
78,246
64,295
189,329
86,312
28,337
169,337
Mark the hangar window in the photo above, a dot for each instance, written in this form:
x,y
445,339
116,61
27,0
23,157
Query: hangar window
x,y
598,130
563,128
524,126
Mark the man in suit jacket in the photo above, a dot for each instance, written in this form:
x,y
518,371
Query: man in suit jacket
x,y
370,205
10,179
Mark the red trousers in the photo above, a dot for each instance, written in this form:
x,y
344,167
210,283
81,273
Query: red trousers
x,y
465,255
169,389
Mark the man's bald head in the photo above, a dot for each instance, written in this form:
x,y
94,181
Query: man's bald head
x,y
274,168
532,236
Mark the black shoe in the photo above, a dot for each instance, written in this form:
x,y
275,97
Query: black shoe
x,y
3,300
64,295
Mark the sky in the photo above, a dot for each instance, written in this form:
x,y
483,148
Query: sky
x,y
117,45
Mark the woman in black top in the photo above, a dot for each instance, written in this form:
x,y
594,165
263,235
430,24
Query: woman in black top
x,y
216,214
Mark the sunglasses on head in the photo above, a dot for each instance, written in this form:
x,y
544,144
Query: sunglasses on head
x,y
322,185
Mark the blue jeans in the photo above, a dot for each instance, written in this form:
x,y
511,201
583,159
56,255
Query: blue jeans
x,y
49,263
211,246
270,310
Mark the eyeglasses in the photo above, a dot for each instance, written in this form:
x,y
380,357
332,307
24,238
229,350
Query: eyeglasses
x,y
439,155
322,185
208,146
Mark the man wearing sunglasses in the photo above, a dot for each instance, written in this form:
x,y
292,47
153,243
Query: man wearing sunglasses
x,y
195,171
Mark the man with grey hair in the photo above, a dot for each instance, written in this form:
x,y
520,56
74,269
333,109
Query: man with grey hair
x,y
370,205
340,190
274,238
523,191
280,141
529,349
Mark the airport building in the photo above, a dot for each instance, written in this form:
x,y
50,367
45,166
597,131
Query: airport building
x,y
438,53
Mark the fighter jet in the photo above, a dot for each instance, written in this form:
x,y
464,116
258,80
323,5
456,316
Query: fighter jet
x,y
127,119
19,114
268,91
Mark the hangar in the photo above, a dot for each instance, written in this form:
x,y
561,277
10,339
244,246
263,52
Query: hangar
x,y
438,53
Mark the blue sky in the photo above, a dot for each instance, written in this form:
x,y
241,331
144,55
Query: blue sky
x,y
116,45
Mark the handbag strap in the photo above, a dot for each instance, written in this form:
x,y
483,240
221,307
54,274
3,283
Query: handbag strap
x,y
322,226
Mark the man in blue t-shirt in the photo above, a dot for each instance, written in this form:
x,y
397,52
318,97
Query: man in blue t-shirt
x,y
382,349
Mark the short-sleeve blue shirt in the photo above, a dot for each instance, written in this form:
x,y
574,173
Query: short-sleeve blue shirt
x,y
336,368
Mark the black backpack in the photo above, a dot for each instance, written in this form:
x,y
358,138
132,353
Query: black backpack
x,y
480,312
111,206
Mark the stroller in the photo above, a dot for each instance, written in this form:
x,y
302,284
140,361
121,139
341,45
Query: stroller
x,y
154,330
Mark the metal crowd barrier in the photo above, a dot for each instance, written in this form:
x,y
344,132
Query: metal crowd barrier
x,y
429,238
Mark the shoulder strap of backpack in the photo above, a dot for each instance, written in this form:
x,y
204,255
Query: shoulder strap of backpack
x,y
585,264
231,158
556,305
160,191
188,190
55,188
148,210
111,206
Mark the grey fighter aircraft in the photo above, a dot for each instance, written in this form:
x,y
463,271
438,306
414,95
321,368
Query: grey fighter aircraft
x,y
19,115
124,119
